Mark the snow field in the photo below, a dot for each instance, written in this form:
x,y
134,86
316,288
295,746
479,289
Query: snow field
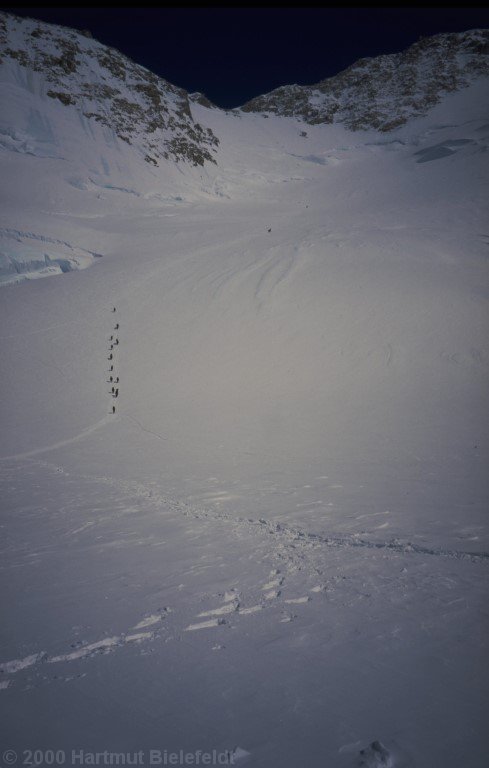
x,y
279,540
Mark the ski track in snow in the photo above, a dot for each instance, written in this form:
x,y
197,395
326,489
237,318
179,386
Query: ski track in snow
x,y
62,443
145,429
293,548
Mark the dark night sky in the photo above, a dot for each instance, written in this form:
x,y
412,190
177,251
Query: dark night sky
x,y
233,54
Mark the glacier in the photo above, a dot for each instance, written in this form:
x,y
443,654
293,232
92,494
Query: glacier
x,y
277,546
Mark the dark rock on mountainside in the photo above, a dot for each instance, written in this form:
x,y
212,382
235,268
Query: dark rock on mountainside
x,y
201,98
106,86
155,117
386,91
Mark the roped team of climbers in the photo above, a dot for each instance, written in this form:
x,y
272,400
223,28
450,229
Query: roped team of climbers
x,y
113,380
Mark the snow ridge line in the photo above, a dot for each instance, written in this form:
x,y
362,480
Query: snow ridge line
x,y
16,234
289,533
395,545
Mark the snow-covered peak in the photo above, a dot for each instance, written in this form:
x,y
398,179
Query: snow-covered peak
x,y
385,92
104,87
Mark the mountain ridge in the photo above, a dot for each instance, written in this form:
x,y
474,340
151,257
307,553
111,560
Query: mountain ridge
x,y
106,86
397,86
145,110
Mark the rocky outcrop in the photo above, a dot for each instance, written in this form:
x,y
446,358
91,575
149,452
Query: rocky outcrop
x,y
385,92
105,86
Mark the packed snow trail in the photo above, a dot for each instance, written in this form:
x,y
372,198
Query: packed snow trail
x,y
148,582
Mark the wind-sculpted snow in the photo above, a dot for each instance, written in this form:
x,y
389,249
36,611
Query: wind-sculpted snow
x,y
25,255
226,599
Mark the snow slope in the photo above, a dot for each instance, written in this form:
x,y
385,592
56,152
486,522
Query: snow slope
x,y
277,546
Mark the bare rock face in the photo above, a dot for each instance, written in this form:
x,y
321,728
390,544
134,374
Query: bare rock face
x,y
105,86
387,91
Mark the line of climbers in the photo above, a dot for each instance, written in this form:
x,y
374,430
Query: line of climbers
x,y
113,380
